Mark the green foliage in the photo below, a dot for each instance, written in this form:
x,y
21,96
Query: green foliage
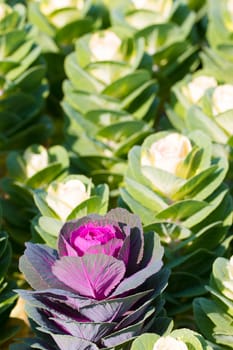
x,y
60,24
107,101
220,27
7,296
181,195
185,201
180,339
105,80
196,103
166,26
214,317
23,87
28,171
205,109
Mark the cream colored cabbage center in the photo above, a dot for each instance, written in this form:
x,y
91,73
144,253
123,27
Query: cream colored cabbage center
x,y
196,88
35,161
167,153
169,343
222,99
104,45
63,197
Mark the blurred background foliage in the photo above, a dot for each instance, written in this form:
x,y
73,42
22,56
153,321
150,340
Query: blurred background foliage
x,y
86,88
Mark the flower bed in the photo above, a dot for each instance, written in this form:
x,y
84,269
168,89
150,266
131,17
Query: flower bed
x,y
116,144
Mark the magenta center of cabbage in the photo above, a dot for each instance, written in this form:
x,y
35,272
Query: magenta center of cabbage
x,y
93,234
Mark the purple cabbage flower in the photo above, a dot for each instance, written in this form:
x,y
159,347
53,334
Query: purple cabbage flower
x,y
102,286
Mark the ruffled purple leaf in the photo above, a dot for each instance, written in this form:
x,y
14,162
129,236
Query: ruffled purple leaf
x,y
36,264
152,249
137,279
41,319
125,218
86,330
124,253
93,276
126,334
158,282
110,310
131,225
153,263
65,248
55,296
68,342
134,316
53,306
69,306
131,252
57,325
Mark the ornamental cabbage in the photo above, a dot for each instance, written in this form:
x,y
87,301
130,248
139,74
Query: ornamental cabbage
x,y
178,339
100,288
165,343
167,153
214,315
197,87
63,197
176,187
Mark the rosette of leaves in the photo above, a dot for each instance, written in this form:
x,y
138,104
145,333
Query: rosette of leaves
x,y
217,59
108,99
204,102
168,28
220,27
32,169
216,65
214,316
66,199
179,339
169,168
137,14
7,296
200,102
175,185
100,289
23,87
60,22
